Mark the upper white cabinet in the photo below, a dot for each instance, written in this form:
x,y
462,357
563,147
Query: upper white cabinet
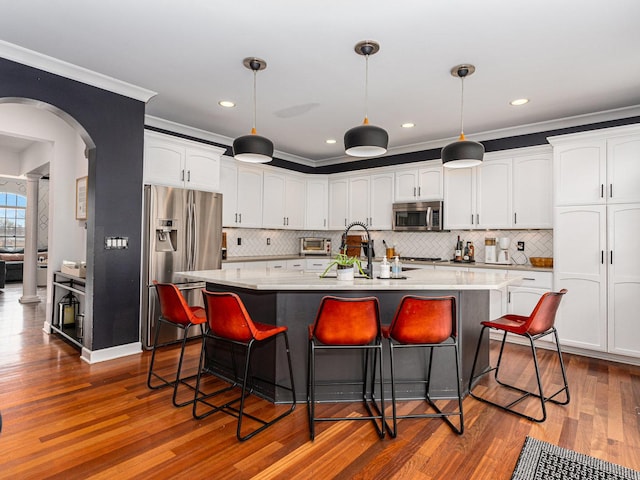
x,y
283,203
176,162
596,168
241,188
419,183
361,198
509,190
317,203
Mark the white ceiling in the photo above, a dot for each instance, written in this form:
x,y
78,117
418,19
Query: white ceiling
x,y
572,58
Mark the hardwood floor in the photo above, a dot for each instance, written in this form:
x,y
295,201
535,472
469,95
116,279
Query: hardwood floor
x,y
65,419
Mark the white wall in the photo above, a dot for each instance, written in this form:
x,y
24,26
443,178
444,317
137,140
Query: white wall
x,y
66,235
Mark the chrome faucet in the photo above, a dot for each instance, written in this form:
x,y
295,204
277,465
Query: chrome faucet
x,y
369,246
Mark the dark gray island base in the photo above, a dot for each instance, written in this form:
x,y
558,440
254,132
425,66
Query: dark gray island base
x,y
297,309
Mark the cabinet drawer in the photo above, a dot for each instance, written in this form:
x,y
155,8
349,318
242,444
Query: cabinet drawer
x,y
534,279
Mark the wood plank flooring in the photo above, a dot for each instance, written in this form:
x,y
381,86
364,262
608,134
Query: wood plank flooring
x,y
64,419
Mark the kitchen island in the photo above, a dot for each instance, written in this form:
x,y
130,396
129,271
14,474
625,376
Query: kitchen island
x,y
292,298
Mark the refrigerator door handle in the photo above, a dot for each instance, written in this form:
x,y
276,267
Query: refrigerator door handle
x,y
189,231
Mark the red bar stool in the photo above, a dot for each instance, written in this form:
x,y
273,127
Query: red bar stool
x,y
228,321
347,324
422,322
539,324
174,311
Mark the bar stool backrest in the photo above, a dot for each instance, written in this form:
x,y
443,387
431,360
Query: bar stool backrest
x,y
227,317
544,314
173,306
424,320
347,321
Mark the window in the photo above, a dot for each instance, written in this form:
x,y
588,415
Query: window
x,y
12,221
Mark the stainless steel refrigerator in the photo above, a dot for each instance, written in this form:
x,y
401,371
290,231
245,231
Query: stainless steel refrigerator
x,y
182,232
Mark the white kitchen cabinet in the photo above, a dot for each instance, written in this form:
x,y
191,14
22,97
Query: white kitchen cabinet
x,y
381,201
493,205
497,298
177,162
297,264
596,222
523,298
532,191
317,264
459,198
508,190
597,168
317,203
361,198
283,200
418,184
241,188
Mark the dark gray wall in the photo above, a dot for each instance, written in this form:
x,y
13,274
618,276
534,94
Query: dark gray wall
x,y
115,125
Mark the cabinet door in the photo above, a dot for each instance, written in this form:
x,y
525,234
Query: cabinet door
x,y
623,169
381,201
338,203
579,249
359,207
532,192
624,279
294,202
317,204
163,161
229,189
249,197
430,183
522,300
579,174
459,195
202,170
406,185
493,194
273,204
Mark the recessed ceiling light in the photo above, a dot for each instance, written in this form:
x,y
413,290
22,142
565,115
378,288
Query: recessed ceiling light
x,y
408,125
226,103
330,141
519,101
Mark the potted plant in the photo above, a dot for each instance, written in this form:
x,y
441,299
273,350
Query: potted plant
x,y
345,267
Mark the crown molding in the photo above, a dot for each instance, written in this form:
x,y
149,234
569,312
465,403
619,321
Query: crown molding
x,y
37,60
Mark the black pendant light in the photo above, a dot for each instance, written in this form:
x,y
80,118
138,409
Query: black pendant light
x,y
462,153
366,140
253,148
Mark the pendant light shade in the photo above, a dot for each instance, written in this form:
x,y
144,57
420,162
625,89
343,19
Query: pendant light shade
x,y
366,140
462,153
253,148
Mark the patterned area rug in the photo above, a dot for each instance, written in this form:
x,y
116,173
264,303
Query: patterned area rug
x,y
543,461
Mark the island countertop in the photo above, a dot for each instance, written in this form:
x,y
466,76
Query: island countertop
x,y
275,279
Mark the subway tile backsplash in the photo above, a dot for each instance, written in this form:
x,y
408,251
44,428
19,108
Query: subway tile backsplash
x,y
253,242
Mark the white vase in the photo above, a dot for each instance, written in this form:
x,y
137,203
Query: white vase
x,y
345,273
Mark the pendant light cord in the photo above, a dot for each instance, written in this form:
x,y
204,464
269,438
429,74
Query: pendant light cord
x,y
253,129
366,90
462,109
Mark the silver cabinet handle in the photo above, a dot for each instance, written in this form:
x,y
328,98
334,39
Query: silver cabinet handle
x,y
515,218
182,175
414,191
236,218
477,219
325,222
419,191
611,190
188,175
239,218
472,219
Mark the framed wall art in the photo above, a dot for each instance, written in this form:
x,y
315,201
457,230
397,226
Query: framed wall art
x,y
81,198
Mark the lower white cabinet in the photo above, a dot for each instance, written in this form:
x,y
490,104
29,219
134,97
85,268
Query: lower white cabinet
x,y
597,262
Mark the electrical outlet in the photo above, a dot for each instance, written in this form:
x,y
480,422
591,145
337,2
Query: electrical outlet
x,y
521,246
239,241
268,241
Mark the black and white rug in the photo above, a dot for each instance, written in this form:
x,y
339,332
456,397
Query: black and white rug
x,y
543,461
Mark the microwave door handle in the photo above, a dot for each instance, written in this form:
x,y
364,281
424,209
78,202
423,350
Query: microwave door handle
x,y
429,218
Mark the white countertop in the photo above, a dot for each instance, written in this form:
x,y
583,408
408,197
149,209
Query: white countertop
x,y
276,279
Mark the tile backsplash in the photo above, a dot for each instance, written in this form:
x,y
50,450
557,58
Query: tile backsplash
x,y
253,242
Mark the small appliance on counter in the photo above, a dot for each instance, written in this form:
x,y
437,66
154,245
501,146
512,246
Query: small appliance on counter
x,y
315,246
497,250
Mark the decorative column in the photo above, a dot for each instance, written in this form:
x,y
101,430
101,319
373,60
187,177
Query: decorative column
x,y
29,274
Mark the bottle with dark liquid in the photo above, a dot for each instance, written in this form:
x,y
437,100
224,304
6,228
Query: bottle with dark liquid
x,y
458,253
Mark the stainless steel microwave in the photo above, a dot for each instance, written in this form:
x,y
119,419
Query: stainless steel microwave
x,y
418,216
315,246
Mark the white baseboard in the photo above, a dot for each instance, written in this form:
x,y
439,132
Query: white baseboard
x,y
105,354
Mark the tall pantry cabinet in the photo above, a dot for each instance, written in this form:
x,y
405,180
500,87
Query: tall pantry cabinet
x,y
596,233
